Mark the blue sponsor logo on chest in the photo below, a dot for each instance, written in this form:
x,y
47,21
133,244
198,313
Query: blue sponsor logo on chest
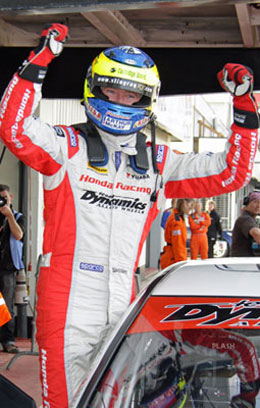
x,y
91,267
73,139
160,153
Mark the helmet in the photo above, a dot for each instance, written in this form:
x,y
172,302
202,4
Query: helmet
x,y
165,387
126,68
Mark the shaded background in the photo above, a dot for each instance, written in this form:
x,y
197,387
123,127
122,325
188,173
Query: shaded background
x,y
182,71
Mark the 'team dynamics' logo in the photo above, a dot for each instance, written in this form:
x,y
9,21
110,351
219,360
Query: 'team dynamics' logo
x,y
245,313
113,202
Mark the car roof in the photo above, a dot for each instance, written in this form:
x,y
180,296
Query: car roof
x,y
211,277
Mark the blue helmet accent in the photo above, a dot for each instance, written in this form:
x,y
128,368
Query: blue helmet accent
x,y
114,118
129,56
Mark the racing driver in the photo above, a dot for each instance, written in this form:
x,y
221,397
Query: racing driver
x,y
103,187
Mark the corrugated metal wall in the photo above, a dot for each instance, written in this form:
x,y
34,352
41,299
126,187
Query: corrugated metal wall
x,y
62,111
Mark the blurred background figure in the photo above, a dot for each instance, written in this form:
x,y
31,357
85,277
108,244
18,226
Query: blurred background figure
x,y
246,234
4,312
175,235
192,203
199,222
214,229
167,213
12,228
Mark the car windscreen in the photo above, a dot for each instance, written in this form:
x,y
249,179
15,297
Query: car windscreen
x,y
186,365
183,368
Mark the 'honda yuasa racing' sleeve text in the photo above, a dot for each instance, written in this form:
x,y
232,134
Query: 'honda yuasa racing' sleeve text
x,y
27,137
208,174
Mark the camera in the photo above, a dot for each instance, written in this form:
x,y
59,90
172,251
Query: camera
x,y
3,201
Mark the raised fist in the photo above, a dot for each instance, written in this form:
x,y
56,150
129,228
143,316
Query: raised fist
x,y
53,36
50,46
236,79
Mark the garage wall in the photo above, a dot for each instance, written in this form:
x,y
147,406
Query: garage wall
x,y
62,111
9,173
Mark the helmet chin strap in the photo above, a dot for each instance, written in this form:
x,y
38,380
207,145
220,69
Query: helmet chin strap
x,y
127,143
99,150
155,167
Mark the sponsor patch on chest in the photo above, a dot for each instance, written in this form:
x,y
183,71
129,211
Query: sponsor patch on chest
x,y
114,202
131,175
134,188
97,169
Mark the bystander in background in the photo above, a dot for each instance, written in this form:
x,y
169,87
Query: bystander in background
x,y
199,222
168,212
246,234
214,229
4,312
175,235
12,228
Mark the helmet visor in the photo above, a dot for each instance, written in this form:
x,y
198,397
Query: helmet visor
x,y
101,81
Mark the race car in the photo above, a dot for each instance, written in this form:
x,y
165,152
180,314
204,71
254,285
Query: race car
x,y
190,339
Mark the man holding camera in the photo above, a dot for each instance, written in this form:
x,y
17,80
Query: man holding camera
x,y
12,225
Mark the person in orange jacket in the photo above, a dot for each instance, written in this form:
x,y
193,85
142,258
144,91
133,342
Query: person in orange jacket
x,y
175,235
4,312
199,222
167,213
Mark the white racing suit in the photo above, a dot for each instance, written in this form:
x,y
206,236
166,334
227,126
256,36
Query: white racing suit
x,y
96,221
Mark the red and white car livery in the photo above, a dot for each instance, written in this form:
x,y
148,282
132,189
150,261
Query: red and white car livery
x,y
190,339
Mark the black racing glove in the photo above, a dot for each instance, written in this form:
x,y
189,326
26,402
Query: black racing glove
x,y
238,80
50,46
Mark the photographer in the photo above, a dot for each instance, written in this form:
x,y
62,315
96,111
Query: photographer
x,y
12,226
246,231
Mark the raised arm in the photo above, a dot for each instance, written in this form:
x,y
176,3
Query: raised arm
x,y
29,139
209,174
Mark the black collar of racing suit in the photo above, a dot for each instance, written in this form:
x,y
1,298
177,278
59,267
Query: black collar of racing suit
x,y
97,151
